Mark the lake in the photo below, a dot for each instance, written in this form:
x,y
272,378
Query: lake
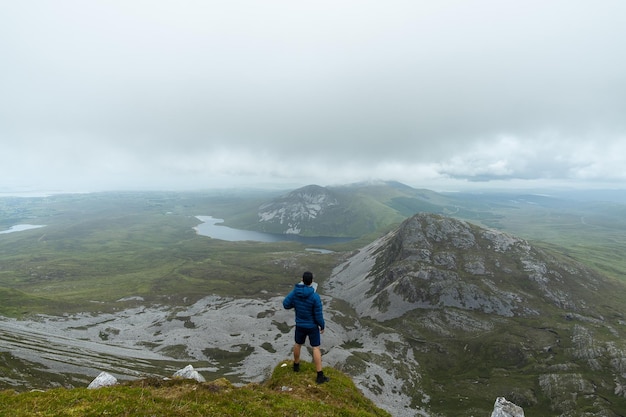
x,y
21,228
213,228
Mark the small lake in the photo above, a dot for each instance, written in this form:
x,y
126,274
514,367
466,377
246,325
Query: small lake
x,y
21,228
213,228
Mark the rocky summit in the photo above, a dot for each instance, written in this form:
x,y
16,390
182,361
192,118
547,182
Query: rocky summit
x,y
485,314
435,262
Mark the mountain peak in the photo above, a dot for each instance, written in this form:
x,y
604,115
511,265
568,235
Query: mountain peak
x,y
434,262
297,210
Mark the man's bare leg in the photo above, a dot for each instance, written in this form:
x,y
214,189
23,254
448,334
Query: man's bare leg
x,y
296,357
296,353
317,358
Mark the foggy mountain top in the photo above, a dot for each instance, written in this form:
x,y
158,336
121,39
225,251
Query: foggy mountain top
x,y
444,95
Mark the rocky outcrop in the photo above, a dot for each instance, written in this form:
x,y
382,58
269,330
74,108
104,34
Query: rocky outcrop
x,y
504,408
104,379
293,213
435,262
189,373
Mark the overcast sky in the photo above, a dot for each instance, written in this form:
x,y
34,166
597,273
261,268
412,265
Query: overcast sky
x,y
100,95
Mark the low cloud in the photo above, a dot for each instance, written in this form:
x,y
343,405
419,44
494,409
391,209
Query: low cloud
x,y
108,94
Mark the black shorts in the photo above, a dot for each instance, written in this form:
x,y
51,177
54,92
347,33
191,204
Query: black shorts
x,y
313,333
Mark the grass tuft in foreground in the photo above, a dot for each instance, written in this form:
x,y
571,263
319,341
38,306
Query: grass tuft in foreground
x,y
286,393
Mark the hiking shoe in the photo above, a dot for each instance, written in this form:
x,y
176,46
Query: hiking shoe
x,y
296,367
322,379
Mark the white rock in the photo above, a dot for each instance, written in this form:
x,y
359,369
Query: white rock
x,y
504,408
189,373
103,380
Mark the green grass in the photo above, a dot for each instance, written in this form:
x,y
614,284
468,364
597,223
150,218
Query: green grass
x,y
15,303
592,233
107,247
286,393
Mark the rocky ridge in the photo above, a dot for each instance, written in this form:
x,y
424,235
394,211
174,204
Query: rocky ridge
x,y
455,291
437,262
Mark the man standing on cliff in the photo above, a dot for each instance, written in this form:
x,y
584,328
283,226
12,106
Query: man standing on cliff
x,y
309,322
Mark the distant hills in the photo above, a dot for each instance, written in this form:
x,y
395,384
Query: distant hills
x,y
590,226
359,209
342,211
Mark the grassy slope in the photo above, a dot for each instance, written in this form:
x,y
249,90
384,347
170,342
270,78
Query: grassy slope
x,y
181,398
593,233
104,248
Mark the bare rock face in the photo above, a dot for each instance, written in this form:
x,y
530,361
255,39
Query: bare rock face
x,y
294,212
504,408
435,262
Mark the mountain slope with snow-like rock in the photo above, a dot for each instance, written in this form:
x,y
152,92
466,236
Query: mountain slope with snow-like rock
x,y
487,314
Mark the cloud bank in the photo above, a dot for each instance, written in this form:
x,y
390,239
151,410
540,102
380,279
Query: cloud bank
x,y
449,94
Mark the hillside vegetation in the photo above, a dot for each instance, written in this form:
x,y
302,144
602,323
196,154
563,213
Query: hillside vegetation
x,y
285,393
97,249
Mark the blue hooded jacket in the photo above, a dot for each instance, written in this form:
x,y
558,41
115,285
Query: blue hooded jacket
x,y
308,306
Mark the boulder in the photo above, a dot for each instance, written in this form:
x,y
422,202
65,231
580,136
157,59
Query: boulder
x,y
103,380
189,373
504,408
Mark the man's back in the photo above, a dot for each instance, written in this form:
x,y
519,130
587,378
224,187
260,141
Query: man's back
x,y
307,304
